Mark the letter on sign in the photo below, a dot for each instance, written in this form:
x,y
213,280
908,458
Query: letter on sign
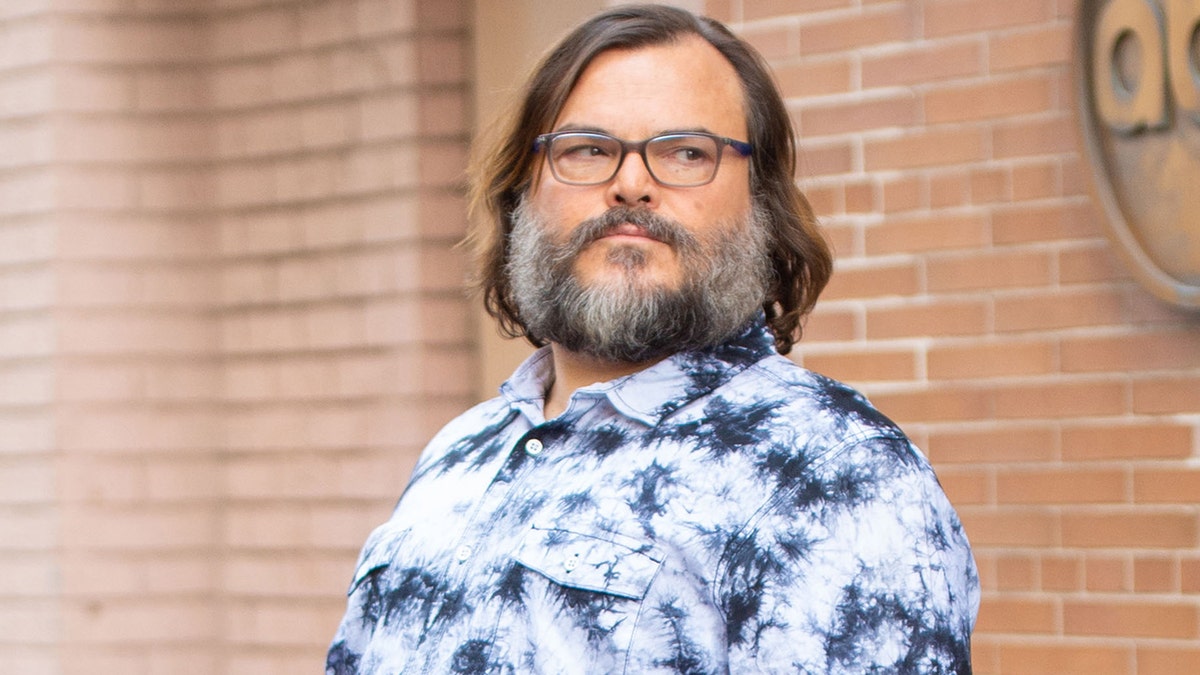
x,y
1130,101
1183,53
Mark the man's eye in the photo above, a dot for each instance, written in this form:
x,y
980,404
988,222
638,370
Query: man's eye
x,y
687,154
583,151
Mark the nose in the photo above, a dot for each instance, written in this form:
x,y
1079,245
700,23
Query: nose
x,y
633,185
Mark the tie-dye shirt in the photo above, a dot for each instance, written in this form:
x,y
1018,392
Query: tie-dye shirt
x,y
724,511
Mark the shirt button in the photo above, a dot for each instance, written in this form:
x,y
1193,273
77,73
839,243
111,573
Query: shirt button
x,y
571,563
533,447
463,553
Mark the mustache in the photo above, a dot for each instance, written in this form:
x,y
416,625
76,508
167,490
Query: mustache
x,y
659,227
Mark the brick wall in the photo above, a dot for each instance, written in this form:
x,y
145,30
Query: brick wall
x,y
979,303
230,315
29,513
341,140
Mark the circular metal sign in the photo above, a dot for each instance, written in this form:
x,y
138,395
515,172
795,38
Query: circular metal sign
x,y
1138,82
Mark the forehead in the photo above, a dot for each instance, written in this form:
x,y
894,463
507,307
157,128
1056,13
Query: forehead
x,y
635,93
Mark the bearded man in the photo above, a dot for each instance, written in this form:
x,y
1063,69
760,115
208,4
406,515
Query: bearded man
x,y
657,489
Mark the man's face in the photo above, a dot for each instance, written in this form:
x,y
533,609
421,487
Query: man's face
x,y
633,95
630,270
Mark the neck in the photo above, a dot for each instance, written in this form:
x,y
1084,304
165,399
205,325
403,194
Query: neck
x,y
573,370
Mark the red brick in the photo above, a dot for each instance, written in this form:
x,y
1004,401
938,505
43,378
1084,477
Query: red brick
x,y
721,10
1060,308
940,318
1155,575
1175,485
989,359
826,200
993,445
985,563
945,17
1061,657
843,238
860,197
988,269
773,43
869,365
1166,394
1130,619
990,185
766,9
1035,47
990,99
940,231
835,325
924,148
901,194
1008,526
952,189
1075,178
879,280
1161,529
1189,575
858,115
1107,574
815,78
1090,263
1068,485
823,159
921,63
940,404
1018,615
1064,220
1036,181
843,33
1127,441
965,486
1168,660
1177,350
1016,573
1061,573
1058,399
1035,137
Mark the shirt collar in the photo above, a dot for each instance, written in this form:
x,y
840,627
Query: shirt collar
x,y
651,394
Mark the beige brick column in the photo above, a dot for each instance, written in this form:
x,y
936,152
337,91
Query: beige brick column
x,y
230,316
29,514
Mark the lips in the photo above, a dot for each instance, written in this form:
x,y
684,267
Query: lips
x,y
629,230
623,221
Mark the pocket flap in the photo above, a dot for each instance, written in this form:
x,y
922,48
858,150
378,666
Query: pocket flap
x,y
376,554
590,562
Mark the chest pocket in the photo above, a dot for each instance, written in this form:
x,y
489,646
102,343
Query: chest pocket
x,y
607,563
375,558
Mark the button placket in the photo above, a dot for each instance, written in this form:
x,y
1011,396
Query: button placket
x,y
463,553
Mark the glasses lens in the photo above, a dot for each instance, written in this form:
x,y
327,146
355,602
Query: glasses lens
x,y
584,158
683,159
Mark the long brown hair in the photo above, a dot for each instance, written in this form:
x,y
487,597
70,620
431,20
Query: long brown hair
x,y
800,257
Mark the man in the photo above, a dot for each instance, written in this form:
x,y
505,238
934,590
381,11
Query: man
x,y
657,490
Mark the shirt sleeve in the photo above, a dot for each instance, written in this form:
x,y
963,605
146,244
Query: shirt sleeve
x,y
858,565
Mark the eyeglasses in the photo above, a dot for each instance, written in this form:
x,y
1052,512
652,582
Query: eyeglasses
x,y
684,159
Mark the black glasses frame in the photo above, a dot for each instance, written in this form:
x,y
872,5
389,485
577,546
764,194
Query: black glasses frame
x,y
543,142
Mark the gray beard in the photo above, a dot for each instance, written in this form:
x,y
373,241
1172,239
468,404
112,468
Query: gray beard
x,y
725,283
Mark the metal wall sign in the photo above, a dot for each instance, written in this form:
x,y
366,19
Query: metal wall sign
x,y
1138,84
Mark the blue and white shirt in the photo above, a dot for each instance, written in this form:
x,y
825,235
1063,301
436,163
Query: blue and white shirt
x,y
723,511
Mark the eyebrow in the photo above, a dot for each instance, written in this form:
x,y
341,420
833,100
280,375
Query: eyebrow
x,y
585,128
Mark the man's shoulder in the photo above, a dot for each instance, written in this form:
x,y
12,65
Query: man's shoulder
x,y
811,394
485,414
465,432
